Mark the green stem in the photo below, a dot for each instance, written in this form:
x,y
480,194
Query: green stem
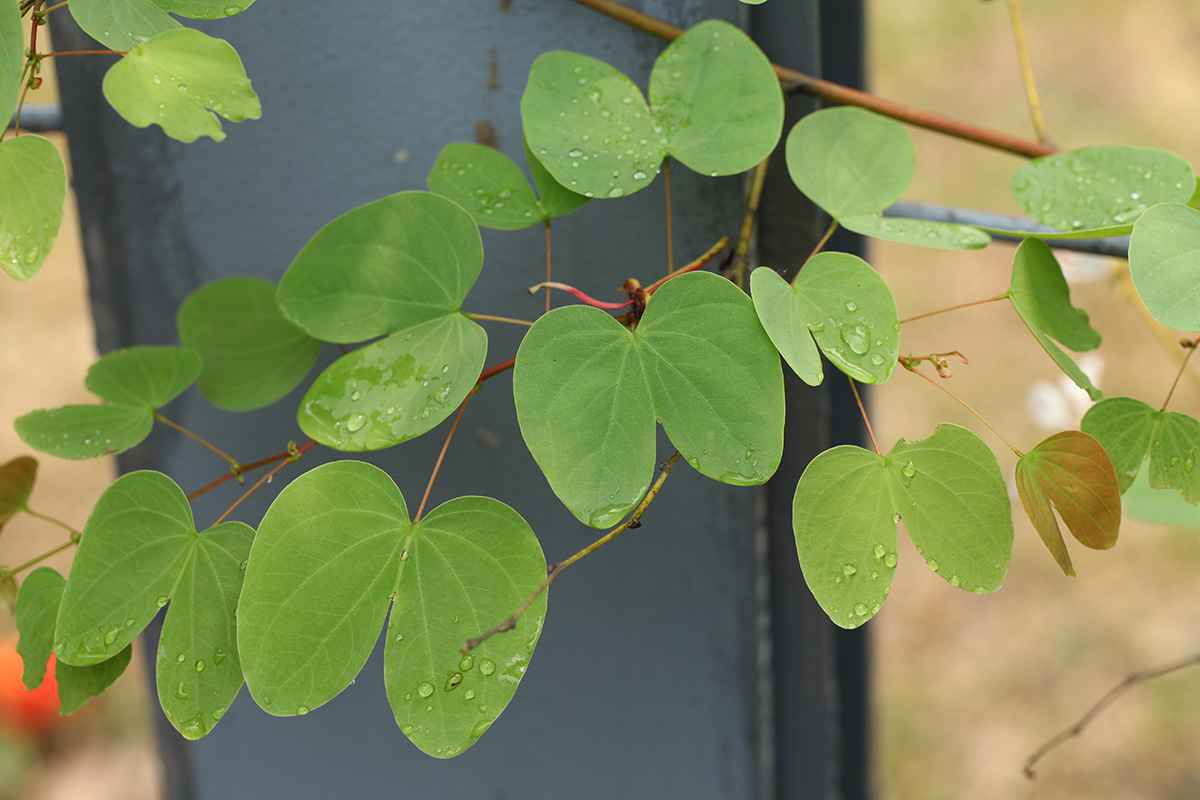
x,y
670,232
737,272
635,521
835,93
548,278
509,320
833,226
33,562
1031,92
52,521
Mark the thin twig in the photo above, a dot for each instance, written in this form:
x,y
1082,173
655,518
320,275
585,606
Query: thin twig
x,y
191,435
555,570
492,372
438,464
1103,703
862,410
52,521
33,562
955,308
293,452
670,232
1190,344
509,320
835,93
1031,92
824,240
962,403
548,278
708,256
737,272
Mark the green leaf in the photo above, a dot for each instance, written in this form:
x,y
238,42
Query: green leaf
x,y
717,99
199,671
37,608
1163,252
940,235
396,389
145,376
180,80
16,483
80,431
587,392
134,546
33,188
487,184
313,604
121,24
1159,506
384,267
1071,471
850,162
1040,295
77,685
252,356
852,314
779,311
715,104
472,562
557,200
1088,233
12,57
955,506
842,516
1129,429
204,9
1097,187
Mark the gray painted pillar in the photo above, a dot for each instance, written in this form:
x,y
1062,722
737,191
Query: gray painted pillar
x,y
654,675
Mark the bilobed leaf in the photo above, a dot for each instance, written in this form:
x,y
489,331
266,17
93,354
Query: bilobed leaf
x,y
33,188
852,315
949,493
955,506
1072,471
487,184
1159,506
1040,295
16,483
84,431
556,199
145,376
842,516
134,545
333,550
251,355
849,161
204,9
198,669
386,266
77,685
715,104
395,389
1129,429
926,233
1163,256
1098,187
121,24
12,57
37,609
778,310
717,99
587,392
181,80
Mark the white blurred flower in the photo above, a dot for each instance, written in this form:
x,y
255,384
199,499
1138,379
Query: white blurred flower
x,y
1059,405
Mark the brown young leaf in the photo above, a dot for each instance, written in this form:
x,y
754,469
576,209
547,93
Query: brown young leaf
x,y
1072,472
16,482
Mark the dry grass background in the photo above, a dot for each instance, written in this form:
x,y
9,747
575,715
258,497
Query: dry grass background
x,y
966,686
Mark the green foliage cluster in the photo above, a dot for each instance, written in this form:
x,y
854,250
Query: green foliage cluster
x,y
293,607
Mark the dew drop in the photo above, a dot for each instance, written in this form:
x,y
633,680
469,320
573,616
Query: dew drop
x,y
181,691
909,470
453,681
933,564
890,560
356,422
162,600
218,655
861,609
467,662
879,550
639,176
302,710
851,305
576,153
487,666
425,689
219,712
848,570
896,518
181,658
469,694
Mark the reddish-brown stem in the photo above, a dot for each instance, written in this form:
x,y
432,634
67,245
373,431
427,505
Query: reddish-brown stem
x,y
492,372
824,240
548,278
835,93
1191,345
955,308
670,232
194,437
243,469
708,256
963,403
591,301
862,410
438,464
299,451
84,53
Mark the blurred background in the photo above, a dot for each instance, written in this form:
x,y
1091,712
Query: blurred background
x,y
965,686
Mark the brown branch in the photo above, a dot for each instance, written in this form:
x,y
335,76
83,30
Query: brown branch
x,y
737,272
442,455
1103,703
555,570
793,81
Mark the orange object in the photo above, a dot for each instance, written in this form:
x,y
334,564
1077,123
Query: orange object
x,y
24,713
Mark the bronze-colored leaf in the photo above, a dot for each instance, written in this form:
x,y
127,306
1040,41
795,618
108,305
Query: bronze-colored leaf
x,y
1041,514
16,482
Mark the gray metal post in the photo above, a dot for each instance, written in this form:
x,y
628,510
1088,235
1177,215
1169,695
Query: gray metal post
x,y
653,677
